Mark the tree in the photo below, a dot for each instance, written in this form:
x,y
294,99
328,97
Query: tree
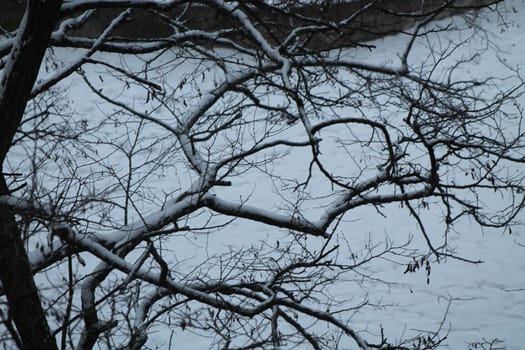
x,y
100,209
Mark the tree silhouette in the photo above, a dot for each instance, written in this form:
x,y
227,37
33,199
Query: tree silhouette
x,y
201,102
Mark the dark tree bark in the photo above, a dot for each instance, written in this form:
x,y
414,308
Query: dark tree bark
x,y
15,87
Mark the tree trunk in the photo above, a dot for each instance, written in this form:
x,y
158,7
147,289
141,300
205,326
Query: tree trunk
x,y
16,83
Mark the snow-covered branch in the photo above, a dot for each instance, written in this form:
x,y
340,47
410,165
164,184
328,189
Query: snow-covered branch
x,y
263,216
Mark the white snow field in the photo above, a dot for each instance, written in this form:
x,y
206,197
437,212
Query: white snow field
x,y
473,302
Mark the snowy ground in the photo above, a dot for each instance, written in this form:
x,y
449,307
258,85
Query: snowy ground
x,y
485,301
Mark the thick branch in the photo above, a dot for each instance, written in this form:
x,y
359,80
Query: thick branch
x,y
16,83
